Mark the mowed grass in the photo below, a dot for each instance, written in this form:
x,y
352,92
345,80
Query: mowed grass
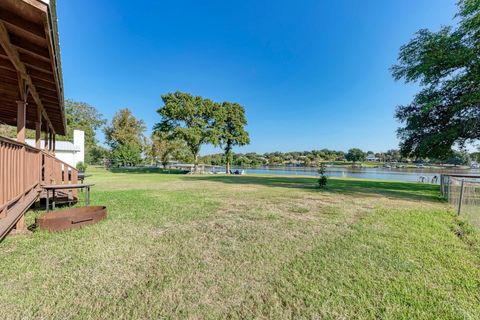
x,y
178,246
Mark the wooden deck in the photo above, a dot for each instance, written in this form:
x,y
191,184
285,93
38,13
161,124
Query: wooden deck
x,y
31,97
24,174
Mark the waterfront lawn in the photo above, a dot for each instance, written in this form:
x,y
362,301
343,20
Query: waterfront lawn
x,y
179,246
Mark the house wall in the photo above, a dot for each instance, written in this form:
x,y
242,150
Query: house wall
x,y
67,156
73,157
79,141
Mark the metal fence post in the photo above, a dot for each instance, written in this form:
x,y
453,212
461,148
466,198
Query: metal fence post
x,y
460,200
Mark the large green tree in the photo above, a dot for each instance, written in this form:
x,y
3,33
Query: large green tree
x,y
162,149
188,118
475,156
355,155
82,116
125,137
230,127
394,155
446,64
459,158
97,154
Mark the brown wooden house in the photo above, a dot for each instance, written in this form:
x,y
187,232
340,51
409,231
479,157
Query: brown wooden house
x,y
31,97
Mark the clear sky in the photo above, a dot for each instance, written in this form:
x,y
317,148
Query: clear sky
x,y
311,74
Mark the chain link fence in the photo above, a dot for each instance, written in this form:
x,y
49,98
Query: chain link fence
x,y
463,192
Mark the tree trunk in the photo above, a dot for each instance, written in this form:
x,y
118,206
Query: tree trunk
x,y
195,163
164,161
228,150
195,150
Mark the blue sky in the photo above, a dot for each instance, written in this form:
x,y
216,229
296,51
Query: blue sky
x,y
311,74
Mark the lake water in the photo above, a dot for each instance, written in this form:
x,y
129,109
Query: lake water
x,y
399,174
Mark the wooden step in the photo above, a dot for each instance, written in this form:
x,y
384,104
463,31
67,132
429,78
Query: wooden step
x,y
17,211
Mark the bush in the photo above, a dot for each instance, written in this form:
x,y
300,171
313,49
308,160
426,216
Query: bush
x,y
82,167
323,180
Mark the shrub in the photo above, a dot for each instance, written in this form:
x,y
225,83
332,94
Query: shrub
x,y
82,167
322,180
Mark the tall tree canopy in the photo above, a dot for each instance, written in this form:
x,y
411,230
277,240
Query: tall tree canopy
x,y
82,116
355,155
125,136
162,149
446,112
230,127
188,118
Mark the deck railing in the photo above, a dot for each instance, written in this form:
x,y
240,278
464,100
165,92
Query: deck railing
x,y
55,171
24,168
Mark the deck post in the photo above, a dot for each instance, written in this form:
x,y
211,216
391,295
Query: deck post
x,y
38,134
21,120
50,141
45,147
54,139
21,226
38,128
74,181
21,113
38,138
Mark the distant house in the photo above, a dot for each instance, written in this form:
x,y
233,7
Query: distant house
x,y
294,163
371,157
66,151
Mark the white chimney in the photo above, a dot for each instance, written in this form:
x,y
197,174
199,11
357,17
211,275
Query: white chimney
x,y
79,142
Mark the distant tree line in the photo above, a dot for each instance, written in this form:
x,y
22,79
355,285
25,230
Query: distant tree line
x,y
315,157
186,123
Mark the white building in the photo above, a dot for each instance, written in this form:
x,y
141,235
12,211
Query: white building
x,y
371,157
71,153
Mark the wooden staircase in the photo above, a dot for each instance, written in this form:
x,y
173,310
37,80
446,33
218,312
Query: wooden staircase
x,y
15,214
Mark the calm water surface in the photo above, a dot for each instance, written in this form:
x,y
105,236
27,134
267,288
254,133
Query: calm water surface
x,y
399,174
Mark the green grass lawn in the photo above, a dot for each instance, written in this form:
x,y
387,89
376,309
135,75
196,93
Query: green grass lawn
x,y
181,246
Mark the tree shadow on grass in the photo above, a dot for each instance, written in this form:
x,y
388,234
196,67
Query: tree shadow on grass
x,y
353,187
146,170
